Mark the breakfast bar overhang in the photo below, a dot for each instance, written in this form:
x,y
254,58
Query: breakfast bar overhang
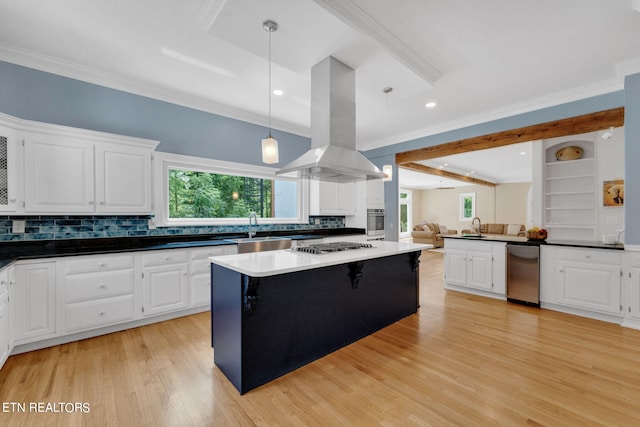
x,y
273,312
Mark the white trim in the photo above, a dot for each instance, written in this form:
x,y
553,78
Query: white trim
x,y
164,161
632,248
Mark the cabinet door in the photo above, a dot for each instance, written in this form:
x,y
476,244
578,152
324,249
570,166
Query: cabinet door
x,y
8,167
456,267
123,180
375,193
634,292
35,301
58,174
332,198
5,340
480,270
164,289
590,286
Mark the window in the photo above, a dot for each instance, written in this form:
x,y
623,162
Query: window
x,y
405,213
467,206
207,192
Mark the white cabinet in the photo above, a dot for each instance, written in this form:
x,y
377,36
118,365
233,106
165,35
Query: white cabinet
x,y
75,171
9,161
58,174
632,280
123,179
98,291
332,198
5,319
375,194
200,272
477,266
164,281
35,302
582,281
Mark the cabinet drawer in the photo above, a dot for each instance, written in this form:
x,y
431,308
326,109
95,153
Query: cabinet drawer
x,y
604,256
200,266
94,263
91,314
99,285
164,257
205,253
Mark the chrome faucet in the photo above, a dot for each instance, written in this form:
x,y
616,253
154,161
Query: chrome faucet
x,y
473,221
252,232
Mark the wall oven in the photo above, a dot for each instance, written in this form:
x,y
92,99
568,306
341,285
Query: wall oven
x,y
375,224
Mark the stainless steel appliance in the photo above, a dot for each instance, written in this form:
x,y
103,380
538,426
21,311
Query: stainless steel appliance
x,y
325,248
375,224
523,274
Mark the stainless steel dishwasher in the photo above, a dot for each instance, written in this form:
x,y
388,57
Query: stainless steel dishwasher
x,y
523,274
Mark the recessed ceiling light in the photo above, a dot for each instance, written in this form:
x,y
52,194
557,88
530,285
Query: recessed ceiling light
x,y
278,92
522,153
430,104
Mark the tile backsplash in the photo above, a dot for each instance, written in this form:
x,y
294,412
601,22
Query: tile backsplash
x,y
86,227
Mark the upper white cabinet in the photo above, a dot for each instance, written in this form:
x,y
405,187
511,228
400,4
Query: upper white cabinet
x,y
332,198
59,175
123,179
375,194
9,166
75,171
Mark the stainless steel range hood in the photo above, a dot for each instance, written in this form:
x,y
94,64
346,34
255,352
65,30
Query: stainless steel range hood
x,y
333,155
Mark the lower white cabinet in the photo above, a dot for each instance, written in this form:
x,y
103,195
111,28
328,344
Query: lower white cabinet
x,y
632,278
475,265
164,281
582,280
200,272
35,302
5,320
98,291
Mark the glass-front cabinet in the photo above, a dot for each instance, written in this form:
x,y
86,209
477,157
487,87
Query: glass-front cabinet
x,y
8,161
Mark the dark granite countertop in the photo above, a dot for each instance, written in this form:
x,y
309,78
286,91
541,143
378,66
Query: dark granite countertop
x,y
20,250
524,241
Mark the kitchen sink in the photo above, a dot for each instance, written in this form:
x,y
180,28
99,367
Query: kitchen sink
x,y
260,244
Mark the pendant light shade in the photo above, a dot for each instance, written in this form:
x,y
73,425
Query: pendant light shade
x,y
270,150
269,144
387,170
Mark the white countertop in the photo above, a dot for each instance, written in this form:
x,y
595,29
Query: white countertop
x,y
271,263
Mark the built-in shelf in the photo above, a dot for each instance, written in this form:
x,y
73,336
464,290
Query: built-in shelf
x,y
570,193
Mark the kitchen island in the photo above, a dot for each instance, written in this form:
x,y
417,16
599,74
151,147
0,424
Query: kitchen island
x,y
275,311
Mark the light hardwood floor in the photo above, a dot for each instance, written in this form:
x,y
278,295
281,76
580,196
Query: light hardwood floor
x,y
462,360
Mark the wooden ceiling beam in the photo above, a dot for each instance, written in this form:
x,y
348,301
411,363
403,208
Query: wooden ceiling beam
x,y
433,171
571,126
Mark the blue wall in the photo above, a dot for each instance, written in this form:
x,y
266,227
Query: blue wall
x,y
632,157
35,95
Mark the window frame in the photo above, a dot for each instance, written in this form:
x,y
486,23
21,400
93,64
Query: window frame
x,y
163,162
462,198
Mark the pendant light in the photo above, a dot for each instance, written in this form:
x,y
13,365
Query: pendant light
x,y
387,170
269,144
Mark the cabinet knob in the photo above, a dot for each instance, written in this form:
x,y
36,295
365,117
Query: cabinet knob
x,y
101,264
12,200
12,282
91,203
4,282
587,256
101,313
102,286
103,203
561,271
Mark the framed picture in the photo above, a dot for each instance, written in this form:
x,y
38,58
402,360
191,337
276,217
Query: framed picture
x,y
613,193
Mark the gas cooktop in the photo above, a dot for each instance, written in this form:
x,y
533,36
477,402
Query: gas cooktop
x,y
325,248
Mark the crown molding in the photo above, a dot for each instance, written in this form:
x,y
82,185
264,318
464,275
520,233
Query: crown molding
x,y
99,77
355,17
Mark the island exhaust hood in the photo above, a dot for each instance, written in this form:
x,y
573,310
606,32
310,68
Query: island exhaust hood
x,y
333,155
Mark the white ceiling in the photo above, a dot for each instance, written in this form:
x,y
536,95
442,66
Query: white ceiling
x,y
478,60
